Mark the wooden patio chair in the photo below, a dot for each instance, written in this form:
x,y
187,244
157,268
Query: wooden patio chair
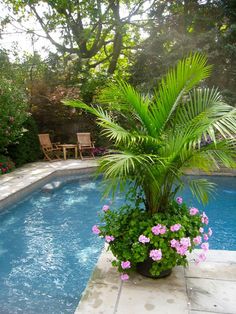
x,y
85,144
51,150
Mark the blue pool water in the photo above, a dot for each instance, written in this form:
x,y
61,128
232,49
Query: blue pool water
x,y
221,211
47,250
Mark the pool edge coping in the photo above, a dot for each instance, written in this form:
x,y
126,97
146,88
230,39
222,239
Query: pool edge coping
x,y
31,186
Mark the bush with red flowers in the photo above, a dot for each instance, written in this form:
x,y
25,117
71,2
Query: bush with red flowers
x,y
6,165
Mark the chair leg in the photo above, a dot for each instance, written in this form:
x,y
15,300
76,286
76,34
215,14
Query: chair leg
x,y
80,153
92,154
46,156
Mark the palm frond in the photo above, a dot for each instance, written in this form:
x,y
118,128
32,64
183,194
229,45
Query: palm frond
x,y
201,189
178,81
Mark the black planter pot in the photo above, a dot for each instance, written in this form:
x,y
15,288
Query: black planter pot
x,y
144,269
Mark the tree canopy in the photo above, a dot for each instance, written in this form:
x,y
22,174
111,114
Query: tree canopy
x,y
97,32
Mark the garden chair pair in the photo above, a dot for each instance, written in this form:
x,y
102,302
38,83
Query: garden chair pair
x,y
52,151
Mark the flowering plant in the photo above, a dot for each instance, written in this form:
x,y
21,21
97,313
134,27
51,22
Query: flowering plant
x,y
134,236
6,165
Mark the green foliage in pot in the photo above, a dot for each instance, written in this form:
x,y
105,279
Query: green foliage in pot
x,y
159,135
135,235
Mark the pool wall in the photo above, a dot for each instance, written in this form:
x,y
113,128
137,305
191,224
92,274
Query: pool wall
x,y
20,184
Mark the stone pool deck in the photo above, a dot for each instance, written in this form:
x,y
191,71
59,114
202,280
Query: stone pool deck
x,y
19,182
207,288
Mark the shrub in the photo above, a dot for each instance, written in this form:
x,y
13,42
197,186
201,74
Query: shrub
x,y
27,148
13,113
6,165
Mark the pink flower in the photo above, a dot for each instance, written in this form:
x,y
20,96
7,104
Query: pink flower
x,y
210,232
174,243
156,255
205,246
197,240
205,237
163,230
193,211
125,264
201,230
185,242
158,229
181,249
143,239
105,208
179,200
124,277
201,258
175,227
95,229
109,238
204,218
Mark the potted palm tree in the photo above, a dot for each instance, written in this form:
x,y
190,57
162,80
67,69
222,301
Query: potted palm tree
x,y
156,137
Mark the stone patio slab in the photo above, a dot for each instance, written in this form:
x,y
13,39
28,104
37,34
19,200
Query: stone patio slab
x,y
142,295
212,270
212,295
98,299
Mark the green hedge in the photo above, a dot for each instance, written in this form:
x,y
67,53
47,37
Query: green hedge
x,y
27,149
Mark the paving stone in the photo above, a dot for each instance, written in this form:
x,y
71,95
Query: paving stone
x,y
142,295
98,299
203,312
212,270
158,298
104,272
218,256
212,295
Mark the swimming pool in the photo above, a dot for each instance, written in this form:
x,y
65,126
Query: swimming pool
x,y
47,250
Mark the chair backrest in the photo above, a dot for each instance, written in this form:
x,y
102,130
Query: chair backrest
x,y
84,139
45,141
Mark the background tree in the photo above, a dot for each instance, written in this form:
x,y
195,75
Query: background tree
x,y
97,32
178,27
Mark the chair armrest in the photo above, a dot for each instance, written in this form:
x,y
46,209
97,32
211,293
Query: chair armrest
x,y
56,144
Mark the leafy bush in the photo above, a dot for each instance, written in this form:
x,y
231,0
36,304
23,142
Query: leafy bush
x,y
13,113
6,165
27,148
134,235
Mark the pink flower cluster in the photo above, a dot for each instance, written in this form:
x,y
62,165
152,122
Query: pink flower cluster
x,y
105,208
204,218
181,246
143,239
109,238
205,246
179,200
124,277
125,264
201,258
159,229
175,227
96,229
197,240
193,211
156,255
